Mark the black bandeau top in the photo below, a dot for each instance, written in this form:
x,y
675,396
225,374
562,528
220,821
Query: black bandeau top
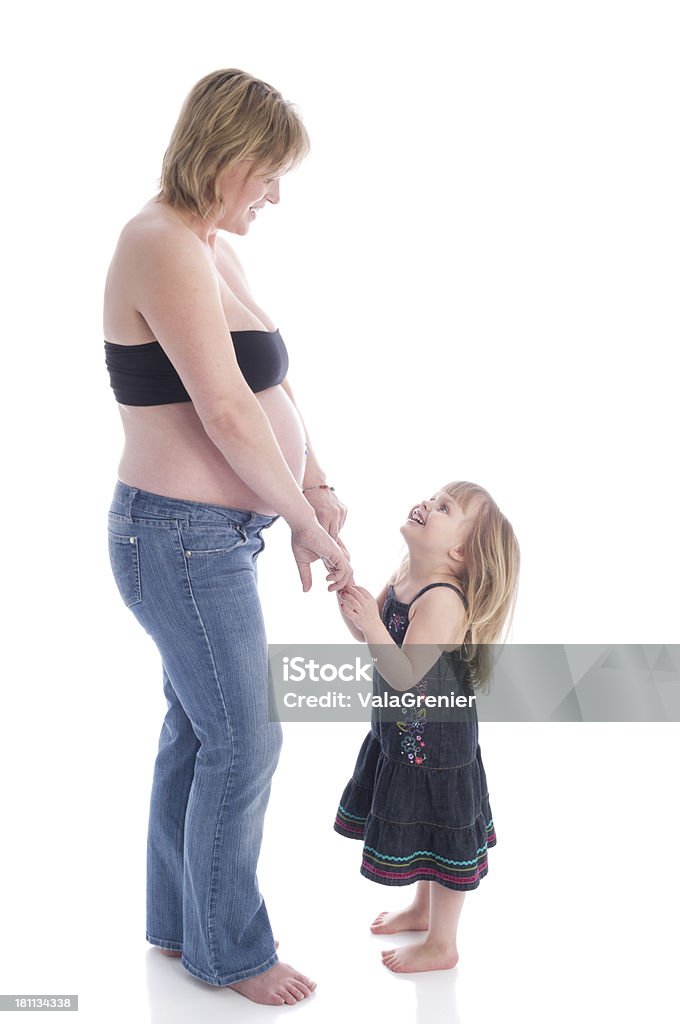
x,y
144,375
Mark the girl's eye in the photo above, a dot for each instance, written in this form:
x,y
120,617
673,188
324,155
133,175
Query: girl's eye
x,y
445,507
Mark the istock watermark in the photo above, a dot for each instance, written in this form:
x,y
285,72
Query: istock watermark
x,y
527,683
299,668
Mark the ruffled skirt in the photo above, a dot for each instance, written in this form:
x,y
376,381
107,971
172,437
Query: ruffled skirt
x,y
420,821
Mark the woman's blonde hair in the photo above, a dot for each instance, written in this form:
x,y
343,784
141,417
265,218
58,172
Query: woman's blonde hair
x,y
227,117
490,577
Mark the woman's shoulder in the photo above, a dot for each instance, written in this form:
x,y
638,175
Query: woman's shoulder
x,y
155,219
156,225
154,239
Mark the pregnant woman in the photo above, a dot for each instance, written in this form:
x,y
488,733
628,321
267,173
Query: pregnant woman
x,y
215,451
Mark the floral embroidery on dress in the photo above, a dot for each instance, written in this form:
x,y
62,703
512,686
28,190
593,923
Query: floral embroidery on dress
x,y
413,728
396,622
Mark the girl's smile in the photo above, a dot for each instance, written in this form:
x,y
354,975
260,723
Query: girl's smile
x,y
441,506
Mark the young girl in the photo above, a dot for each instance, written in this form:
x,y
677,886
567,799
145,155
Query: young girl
x,y
418,796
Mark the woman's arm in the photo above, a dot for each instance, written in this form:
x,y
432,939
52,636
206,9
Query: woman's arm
x,y
177,293
330,511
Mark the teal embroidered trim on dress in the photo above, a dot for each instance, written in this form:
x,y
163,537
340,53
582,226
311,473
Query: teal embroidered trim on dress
x,y
426,853
355,817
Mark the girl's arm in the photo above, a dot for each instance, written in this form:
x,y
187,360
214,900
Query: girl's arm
x,y
437,619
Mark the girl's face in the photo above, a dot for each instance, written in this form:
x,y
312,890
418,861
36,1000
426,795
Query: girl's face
x,y
244,198
438,526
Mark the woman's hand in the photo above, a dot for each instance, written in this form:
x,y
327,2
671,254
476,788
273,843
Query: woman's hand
x,y
330,511
360,608
312,542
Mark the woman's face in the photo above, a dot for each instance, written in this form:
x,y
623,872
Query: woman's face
x,y
244,197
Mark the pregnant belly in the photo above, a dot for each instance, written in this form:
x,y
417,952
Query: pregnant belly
x,y
167,451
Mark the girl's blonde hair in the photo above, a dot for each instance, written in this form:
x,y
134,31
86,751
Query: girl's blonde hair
x,y
227,117
490,577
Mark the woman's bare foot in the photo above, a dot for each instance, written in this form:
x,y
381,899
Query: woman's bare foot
x,y
178,952
280,984
412,919
421,956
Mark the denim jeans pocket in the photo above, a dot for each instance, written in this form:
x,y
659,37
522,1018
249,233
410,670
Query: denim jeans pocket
x,y
205,539
124,558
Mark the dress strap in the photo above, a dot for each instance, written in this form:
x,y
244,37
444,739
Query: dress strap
x,y
430,585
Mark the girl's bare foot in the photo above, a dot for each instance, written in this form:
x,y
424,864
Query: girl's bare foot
x,y
412,919
280,984
421,956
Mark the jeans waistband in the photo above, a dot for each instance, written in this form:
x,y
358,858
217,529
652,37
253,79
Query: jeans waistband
x,y
129,500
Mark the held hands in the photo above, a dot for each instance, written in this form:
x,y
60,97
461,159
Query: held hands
x,y
312,542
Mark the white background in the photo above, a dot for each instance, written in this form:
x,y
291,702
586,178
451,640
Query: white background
x,y
475,272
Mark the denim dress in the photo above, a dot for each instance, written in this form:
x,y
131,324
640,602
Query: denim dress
x,y
418,796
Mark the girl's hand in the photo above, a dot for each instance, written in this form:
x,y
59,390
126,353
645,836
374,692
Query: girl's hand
x,y
330,511
359,607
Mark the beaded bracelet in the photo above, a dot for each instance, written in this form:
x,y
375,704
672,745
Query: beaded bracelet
x,y
323,487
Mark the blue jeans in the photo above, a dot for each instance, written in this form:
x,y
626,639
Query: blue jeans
x,y
187,572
